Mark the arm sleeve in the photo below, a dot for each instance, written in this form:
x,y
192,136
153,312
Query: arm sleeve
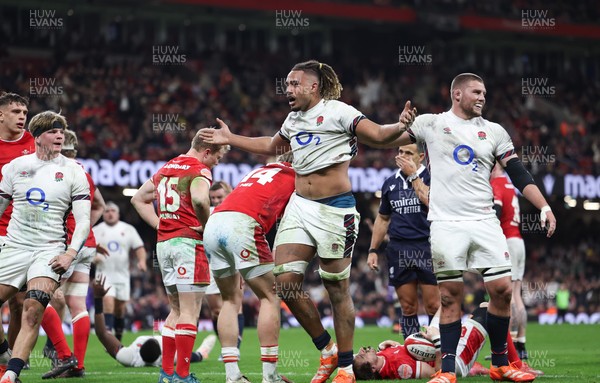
x,y
417,130
6,188
82,207
349,117
283,131
504,145
136,240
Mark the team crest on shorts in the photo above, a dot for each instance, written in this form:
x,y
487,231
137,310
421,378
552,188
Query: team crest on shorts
x,y
334,247
506,255
58,177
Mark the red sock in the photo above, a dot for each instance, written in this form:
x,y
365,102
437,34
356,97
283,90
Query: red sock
x,y
168,356
52,325
81,333
513,356
185,336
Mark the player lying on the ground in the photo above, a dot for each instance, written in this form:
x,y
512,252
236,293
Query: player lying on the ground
x,y
394,361
144,350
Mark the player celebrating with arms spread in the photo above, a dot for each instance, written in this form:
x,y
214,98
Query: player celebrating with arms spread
x,y
43,187
321,217
462,148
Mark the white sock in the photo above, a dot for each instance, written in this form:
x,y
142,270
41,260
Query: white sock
x,y
521,339
231,355
269,356
332,351
348,369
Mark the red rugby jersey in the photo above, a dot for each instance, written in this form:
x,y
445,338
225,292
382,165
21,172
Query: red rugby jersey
x,y
263,194
505,196
9,150
175,210
399,364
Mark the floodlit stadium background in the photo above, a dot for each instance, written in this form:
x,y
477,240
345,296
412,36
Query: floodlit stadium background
x,y
136,79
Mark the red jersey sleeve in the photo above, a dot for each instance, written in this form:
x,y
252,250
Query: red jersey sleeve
x,y
9,150
506,196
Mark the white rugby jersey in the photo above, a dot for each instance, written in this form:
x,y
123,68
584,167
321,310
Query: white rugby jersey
x,y
42,193
322,136
460,154
130,356
119,239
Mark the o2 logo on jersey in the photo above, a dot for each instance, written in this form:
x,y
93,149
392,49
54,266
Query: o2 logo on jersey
x,y
304,138
113,246
37,197
465,155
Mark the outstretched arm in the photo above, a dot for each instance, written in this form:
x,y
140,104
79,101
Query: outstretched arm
x,y
108,340
390,135
260,145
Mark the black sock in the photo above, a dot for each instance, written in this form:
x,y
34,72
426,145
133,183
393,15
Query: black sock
x,y
479,315
119,327
497,328
519,346
3,346
15,365
410,325
240,329
322,340
450,335
215,327
430,318
196,357
345,358
49,344
109,321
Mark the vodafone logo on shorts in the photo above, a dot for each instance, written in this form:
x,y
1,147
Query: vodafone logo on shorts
x,y
181,270
245,254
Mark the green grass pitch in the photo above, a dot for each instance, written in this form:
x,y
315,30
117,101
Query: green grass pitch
x,y
565,353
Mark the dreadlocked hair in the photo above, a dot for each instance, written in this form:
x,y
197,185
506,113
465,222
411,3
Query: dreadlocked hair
x,y
330,87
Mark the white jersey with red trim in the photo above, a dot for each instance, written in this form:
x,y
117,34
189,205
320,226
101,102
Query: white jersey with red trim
x,y
460,155
322,136
130,356
119,239
42,193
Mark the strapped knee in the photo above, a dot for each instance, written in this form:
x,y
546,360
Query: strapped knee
x,y
344,274
40,296
76,289
298,267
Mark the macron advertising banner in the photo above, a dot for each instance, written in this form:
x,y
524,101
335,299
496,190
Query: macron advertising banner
x,y
123,173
